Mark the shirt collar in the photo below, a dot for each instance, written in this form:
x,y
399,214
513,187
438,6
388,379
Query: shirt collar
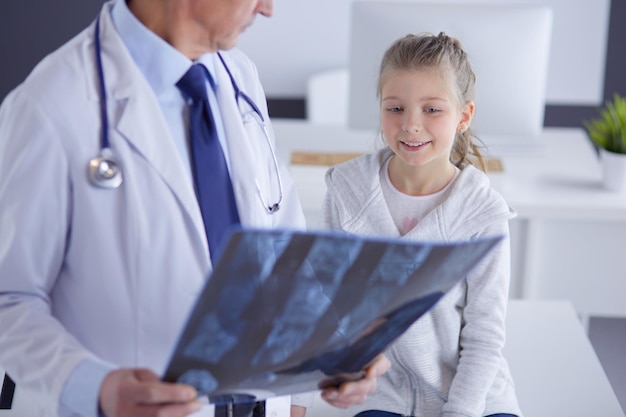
x,y
149,51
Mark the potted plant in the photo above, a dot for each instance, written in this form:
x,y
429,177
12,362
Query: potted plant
x,y
608,133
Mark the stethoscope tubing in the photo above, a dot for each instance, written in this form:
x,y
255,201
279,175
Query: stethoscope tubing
x,y
104,114
103,170
271,208
238,92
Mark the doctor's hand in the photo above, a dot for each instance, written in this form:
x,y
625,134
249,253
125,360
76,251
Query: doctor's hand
x,y
140,393
355,392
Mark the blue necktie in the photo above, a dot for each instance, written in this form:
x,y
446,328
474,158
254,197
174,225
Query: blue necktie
x,y
212,181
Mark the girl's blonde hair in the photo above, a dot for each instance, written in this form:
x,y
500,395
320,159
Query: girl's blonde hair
x,y
414,52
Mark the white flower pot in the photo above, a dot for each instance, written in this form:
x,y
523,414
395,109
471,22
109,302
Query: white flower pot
x,y
613,170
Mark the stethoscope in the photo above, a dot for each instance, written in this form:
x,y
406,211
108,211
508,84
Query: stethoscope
x,y
255,116
105,172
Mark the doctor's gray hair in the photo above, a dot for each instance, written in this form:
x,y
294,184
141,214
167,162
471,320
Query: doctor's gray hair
x,y
426,50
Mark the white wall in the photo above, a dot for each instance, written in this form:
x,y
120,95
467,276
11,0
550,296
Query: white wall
x,y
305,37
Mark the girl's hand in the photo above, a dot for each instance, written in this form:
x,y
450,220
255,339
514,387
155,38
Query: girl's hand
x,y
355,392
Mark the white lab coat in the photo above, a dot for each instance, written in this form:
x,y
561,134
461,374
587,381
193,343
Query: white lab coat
x,y
97,274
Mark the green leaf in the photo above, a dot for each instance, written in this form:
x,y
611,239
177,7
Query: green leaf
x,y
609,130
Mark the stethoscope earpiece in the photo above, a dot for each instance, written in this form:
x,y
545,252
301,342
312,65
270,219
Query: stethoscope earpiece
x,y
104,171
273,208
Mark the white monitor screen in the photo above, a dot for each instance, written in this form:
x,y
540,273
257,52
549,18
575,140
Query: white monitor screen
x,y
508,47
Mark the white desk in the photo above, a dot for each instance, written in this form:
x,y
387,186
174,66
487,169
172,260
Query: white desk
x,y
554,366
565,218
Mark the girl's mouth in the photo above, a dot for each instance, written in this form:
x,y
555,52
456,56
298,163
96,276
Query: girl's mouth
x,y
415,145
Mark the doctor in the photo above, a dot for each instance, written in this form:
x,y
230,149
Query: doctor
x,y
102,241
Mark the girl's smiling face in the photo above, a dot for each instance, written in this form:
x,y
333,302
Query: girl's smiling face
x,y
420,116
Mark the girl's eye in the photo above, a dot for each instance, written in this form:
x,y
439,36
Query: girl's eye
x,y
394,109
432,110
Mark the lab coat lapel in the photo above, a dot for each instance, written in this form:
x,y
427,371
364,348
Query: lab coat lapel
x,y
136,115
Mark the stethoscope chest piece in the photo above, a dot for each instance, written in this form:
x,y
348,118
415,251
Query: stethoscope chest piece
x,y
104,171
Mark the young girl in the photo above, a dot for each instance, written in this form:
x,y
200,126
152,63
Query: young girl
x,y
423,185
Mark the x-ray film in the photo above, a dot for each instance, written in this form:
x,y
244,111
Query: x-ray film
x,y
286,312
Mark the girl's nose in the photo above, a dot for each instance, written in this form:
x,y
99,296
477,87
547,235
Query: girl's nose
x,y
412,123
